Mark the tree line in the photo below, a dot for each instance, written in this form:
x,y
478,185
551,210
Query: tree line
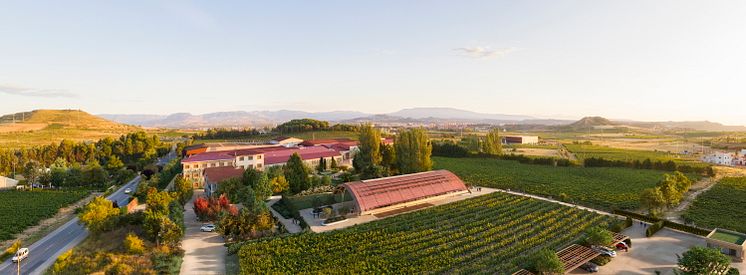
x,y
133,150
410,153
292,126
649,164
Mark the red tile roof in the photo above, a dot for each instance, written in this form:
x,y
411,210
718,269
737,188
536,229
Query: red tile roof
x,y
218,174
377,193
216,155
305,153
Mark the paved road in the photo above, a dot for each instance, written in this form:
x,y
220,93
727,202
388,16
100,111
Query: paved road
x,y
204,252
44,252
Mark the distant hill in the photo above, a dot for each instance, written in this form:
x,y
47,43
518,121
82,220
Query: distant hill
x,y
701,126
591,121
452,113
47,126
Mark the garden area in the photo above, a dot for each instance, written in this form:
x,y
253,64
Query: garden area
x,y
21,209
722,206
602,187
493,233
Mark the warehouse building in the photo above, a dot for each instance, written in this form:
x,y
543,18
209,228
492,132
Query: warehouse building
x,y
378,195
520,139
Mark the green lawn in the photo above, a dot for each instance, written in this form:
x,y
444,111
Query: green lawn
x,y
723,206
289,206
21,209
728,237
489,234
602,187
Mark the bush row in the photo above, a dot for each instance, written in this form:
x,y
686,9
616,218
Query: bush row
x,y
648,164
666,223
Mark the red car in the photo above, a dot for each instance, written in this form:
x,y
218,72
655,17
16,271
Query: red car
x,y
622,246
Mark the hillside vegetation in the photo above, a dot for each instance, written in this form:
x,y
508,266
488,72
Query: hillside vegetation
x,y
47,126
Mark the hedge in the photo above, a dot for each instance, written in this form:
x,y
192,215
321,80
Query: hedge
x,y
666,223
652,229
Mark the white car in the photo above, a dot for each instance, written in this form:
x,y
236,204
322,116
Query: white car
x,y
127,191
605,251
207,228
20,255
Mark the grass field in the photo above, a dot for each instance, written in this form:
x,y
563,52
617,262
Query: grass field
x,y
21,209
723,206
583,151
604,188
488,234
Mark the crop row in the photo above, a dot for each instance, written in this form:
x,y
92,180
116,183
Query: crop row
x,y
21,209
606,188
722,206
490,233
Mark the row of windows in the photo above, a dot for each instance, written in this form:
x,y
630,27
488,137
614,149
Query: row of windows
x,y
242,158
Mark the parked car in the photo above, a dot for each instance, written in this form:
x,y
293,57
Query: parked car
x,y
622,246
207,228
590,267
20,255
605,251
127,191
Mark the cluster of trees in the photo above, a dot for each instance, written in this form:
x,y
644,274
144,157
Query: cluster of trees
x,y
133,150
410,153
251,189
307,124
63,174
252,221
668,192
490,144
648,164
703,260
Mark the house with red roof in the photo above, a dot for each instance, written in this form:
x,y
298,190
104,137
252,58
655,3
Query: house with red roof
x,y
215,175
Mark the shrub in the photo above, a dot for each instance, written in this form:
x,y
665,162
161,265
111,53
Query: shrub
x,y
133,244
652,229
11,250
601,260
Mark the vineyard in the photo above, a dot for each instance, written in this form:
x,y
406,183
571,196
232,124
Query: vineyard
x,y
583,151
722,206
21,209
488,234
596,187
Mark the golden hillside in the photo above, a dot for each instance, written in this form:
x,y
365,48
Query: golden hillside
x,y
46,126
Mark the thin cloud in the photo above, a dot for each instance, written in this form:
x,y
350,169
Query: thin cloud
x,y
484,52
32,92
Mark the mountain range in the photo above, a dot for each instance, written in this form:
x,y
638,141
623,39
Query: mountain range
x,y
405,116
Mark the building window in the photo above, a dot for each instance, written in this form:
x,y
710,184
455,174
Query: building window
x,y
186,166
241,158
251,157
259,157
259,165
251,166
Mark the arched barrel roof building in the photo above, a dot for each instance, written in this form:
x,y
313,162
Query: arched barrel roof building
x,y
368,195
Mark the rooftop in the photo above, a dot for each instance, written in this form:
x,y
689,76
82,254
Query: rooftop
x,y
728,236
218,174
305,153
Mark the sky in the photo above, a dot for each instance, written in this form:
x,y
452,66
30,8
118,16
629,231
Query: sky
x,y
641,60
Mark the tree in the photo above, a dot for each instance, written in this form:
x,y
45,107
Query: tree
x,y
388,157
95,175
370,144
183,189
683,183
322,165
279,184
262,188
57,176
31,171
547,262
234,188
702,260
669,187
653,199
158,201
133,244
99,215
114,163
296,174
161,228
598,236
333,165
492,145
413,150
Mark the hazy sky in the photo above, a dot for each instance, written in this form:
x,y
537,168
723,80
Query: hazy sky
x,y
645,60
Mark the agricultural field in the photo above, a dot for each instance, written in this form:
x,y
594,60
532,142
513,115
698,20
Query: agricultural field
x,y
21,209
583,151
600,187
489,234
722,206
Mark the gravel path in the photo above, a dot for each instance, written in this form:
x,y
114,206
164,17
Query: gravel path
x,y
204,252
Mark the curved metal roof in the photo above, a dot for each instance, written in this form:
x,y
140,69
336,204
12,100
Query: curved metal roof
x,y
377,193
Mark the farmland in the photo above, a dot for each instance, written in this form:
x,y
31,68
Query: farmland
x,y
604,188
21,209
487,234
721,206
583,151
